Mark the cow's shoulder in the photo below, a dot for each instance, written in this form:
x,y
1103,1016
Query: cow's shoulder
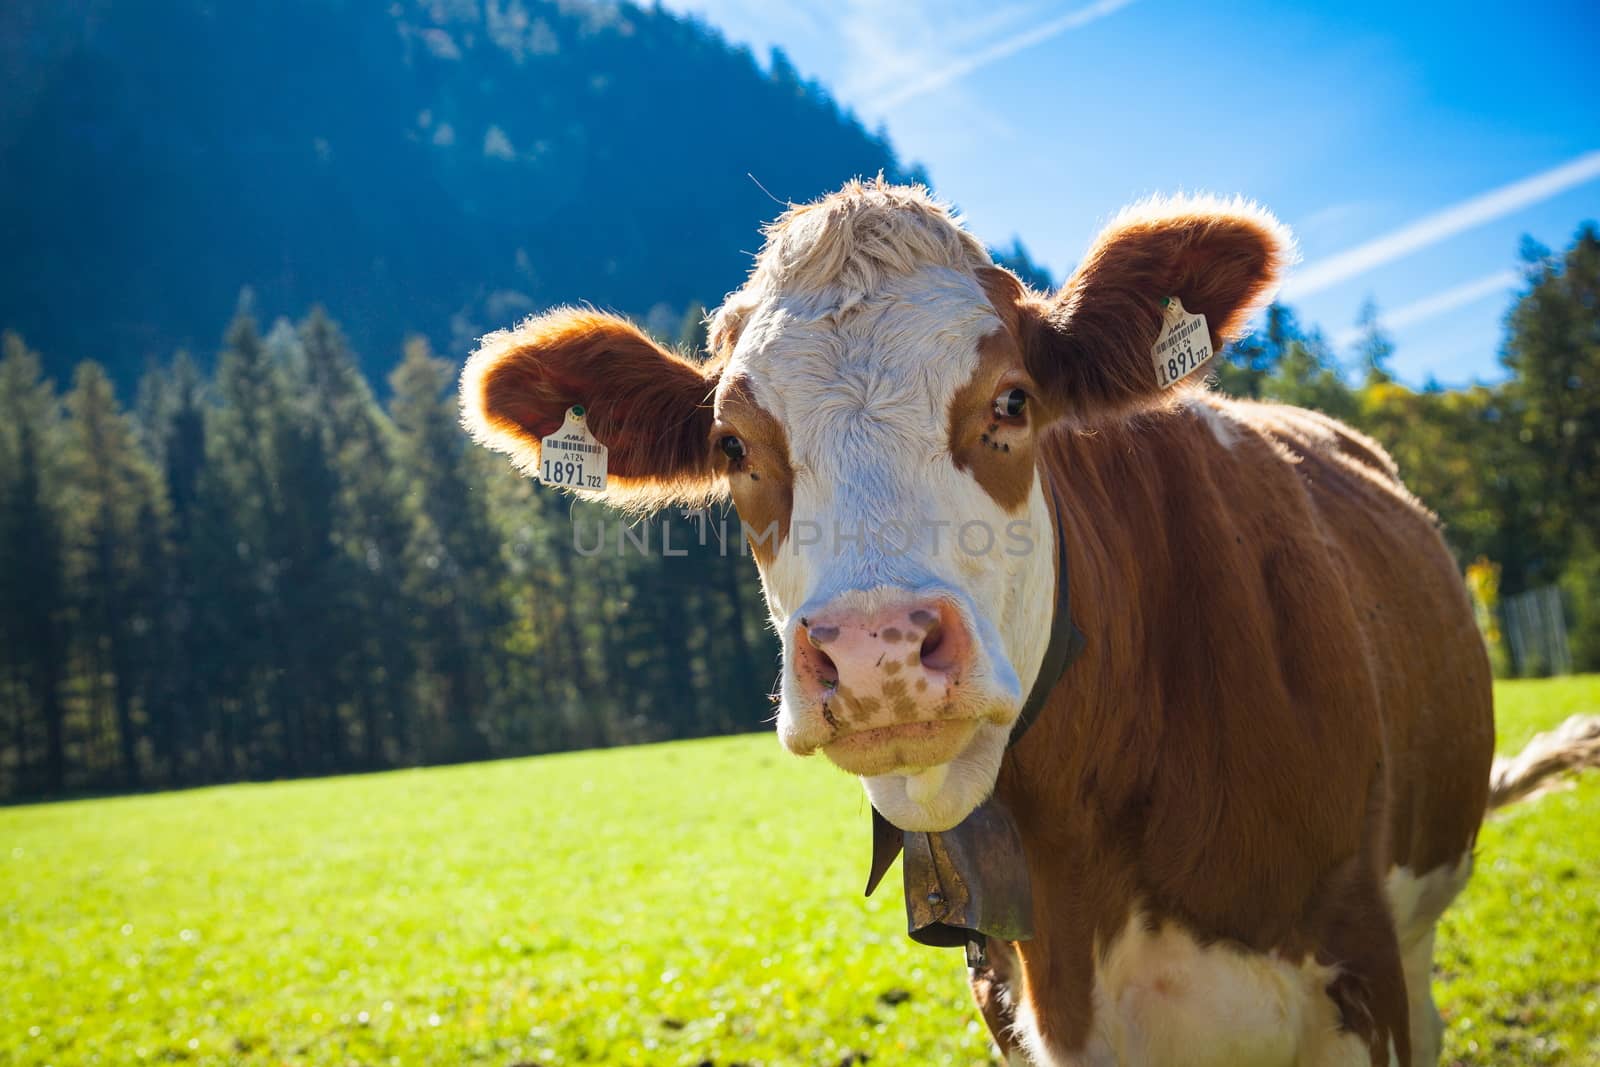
x,y
1302,432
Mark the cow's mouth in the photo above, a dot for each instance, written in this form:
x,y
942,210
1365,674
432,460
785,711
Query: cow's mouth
x,y
903,747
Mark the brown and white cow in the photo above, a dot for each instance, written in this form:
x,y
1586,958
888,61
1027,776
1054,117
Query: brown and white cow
x,y
1248,802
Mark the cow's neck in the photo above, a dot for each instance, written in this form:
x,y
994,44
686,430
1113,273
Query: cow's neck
x,y
1105,511
1065,781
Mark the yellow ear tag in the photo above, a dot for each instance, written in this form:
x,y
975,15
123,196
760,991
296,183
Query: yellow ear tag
x,y
571,457
1183,346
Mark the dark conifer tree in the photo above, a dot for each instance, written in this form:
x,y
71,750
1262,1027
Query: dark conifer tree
x,y
116,532
373,628
456,572
32,570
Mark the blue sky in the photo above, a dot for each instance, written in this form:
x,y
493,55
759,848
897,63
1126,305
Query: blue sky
x,y
1417,144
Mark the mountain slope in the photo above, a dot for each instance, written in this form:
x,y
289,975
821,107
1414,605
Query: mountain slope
x,y
440,167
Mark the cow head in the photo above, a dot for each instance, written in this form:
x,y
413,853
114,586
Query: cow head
x,y
873,405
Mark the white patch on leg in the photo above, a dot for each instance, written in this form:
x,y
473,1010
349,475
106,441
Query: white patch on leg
x,y
1416,903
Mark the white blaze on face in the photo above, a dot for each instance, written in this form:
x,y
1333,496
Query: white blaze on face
x,y
881,510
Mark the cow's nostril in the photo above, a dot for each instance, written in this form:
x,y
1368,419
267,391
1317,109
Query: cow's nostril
x,y
827,673
935,655
821,635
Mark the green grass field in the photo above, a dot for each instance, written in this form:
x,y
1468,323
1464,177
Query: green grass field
x,y
676,904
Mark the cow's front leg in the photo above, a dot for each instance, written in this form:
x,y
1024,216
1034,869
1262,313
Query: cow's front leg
x,y
1367,981
993,987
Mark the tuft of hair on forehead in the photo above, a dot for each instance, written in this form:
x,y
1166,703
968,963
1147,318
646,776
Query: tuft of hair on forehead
x,y
847,245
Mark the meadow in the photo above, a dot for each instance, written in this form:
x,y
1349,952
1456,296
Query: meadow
x,y
687,903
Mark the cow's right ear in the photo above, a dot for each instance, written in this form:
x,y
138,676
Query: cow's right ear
x,y
650,407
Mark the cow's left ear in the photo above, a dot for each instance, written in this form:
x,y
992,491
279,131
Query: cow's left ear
x,y
1090,345
650,407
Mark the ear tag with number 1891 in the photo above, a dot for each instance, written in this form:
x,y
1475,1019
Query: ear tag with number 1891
x,y
1183,346
571,457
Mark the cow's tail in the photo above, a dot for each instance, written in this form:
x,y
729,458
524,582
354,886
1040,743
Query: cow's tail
x,y
1572,746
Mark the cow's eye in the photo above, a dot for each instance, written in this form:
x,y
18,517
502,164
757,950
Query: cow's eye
x,y
732,447
1009,404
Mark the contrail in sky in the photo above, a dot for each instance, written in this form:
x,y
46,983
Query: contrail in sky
x,y
1437,304
957,69
1497,203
